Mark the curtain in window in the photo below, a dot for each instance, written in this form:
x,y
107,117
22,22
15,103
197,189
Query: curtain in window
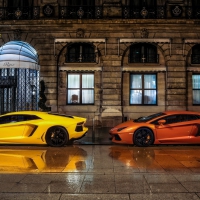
x,y
136,81
74,81
136,97
88,94
80,88
149,83
196,89
143,89
73,93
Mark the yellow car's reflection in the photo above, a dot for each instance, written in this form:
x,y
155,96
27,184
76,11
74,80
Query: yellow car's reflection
x,y
24,159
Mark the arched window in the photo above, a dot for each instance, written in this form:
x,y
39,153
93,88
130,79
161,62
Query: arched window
x,y
143,53
195,57
80,52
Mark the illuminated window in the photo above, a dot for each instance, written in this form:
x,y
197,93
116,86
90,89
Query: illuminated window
x,y
80,88
143,89
196,89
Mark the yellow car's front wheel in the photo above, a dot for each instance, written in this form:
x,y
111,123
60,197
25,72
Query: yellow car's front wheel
x,y
56,136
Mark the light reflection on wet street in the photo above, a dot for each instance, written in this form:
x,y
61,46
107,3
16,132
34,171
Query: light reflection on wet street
x,y
81,158
104,172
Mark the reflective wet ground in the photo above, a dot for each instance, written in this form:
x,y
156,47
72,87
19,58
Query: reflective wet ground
x,y
85,171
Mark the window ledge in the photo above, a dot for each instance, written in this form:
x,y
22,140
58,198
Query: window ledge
x,y
81,63
142,68
194,68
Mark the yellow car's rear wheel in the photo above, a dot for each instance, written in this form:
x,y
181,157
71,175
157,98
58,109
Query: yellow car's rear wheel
x,y
56,136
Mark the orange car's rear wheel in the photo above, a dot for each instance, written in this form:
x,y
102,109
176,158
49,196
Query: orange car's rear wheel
x,y
56,136
143,137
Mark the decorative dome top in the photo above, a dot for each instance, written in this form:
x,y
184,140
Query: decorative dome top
x,y
18,54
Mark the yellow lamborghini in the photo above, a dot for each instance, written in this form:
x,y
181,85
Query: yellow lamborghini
x,y
35,127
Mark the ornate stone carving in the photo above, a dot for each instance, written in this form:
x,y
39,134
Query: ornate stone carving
x,y
17,34
144,33
80,33
48,10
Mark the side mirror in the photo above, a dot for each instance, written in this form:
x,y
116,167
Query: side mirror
x,y
162,121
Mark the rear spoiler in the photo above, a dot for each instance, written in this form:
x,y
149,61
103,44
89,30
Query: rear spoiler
x,y
63,115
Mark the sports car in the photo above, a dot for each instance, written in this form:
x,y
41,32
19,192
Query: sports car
x,y
169,127
35,127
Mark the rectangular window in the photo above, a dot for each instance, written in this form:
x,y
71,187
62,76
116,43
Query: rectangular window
x,y
80,88
196,89
143,89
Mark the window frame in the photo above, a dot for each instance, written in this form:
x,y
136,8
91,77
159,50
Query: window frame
x,y
197,55
81,50
144,55
80,88
194,89
143,89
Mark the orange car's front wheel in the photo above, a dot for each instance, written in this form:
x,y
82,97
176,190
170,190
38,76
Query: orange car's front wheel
x,y
56,136
143,137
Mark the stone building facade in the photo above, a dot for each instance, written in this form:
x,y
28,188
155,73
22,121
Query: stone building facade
x,y
139,58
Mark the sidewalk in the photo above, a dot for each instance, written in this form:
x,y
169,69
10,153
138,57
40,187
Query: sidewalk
x,y
100,172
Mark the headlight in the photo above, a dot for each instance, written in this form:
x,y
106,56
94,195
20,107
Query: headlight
x,y
119,129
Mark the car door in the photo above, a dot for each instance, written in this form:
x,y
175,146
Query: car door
x,y
11,127
177,129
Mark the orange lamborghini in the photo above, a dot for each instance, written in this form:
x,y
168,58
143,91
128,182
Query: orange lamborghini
x,y
169,127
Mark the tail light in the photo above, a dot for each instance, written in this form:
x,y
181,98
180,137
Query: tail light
x,y
79,127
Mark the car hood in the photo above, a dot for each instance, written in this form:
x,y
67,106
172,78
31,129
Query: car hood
x,y
124,124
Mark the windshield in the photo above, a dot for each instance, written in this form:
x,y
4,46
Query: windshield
x,y
148,118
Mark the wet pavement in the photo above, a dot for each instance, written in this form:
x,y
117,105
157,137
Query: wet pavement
x,y
97,169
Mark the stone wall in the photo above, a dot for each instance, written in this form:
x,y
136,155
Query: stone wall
x,y
113,69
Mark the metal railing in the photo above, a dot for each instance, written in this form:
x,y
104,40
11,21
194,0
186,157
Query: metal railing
x,y
102,11
72,57
19,13
150,58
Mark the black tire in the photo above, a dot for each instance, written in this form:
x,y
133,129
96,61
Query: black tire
x,y
143,137
56,136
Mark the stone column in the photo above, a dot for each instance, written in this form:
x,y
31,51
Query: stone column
x,y
111,91
176,78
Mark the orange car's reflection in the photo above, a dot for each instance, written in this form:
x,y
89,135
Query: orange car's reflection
x,y
134,157
47,159
170,158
